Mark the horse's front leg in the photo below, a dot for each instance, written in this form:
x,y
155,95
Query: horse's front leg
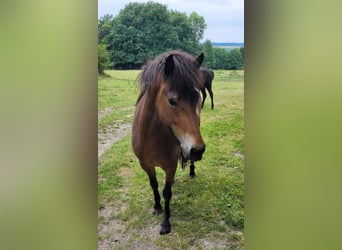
x,y
151,172
167,194
154,185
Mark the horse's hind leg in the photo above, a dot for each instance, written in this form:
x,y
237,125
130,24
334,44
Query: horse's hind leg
x,y
204,95
211,97
192,170
167,193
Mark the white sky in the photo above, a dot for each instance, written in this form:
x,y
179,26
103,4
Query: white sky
x,y
224,18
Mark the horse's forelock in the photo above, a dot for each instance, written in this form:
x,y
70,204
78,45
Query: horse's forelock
x,y
184,78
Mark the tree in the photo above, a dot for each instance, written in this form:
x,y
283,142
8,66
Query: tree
x,y
140,31
242,51
104,28
209,57
198,24
235,59
143,30
221,58
183,28
103,58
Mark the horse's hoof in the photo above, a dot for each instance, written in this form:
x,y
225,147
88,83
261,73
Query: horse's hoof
x,y
192,176
157,211
165,229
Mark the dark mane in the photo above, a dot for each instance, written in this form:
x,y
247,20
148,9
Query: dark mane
x,y
185,77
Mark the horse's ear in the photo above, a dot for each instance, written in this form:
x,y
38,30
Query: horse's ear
x,y
169,65
199,59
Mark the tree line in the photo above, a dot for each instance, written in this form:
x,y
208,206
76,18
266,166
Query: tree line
x,y
143,30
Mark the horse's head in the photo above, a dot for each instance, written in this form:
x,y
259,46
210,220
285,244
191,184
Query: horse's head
x,y
178,102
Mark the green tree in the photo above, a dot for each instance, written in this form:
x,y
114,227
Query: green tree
x,y
198,24
143,30
182,26
221,58
209,56
198,27
140,31
103,58
235,59
104,28
242,51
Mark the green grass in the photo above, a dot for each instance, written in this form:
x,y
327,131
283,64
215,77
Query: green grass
x,y
207,208
117,91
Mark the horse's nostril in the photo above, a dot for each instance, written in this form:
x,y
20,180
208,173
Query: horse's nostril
x,y
196,153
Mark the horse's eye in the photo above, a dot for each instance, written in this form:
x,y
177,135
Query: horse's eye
x,y
172,102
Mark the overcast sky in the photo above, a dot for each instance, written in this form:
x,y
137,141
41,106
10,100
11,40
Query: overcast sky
x,y
224,18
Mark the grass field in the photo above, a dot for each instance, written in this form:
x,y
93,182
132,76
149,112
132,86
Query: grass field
x,y
206,212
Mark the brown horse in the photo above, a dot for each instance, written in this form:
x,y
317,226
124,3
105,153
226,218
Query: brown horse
x,y
208,76
166,125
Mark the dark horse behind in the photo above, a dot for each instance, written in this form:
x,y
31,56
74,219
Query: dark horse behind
x,y
166,125
208,76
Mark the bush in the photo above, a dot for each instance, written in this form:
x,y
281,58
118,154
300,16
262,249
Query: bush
x,y
103,58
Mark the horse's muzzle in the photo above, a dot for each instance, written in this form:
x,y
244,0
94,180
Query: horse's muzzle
x,y
196,153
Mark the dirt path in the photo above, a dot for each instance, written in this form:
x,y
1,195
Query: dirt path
x,y
114,232
111,134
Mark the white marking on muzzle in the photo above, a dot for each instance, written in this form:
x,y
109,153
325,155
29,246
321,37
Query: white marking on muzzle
x,y
186,143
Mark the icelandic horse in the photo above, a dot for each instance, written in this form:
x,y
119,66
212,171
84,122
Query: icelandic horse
x,y
166,124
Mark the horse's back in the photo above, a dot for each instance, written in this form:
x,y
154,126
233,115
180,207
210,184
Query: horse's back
x,y
208,76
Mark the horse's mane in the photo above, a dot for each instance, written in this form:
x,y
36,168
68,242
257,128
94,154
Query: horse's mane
x,y
185,76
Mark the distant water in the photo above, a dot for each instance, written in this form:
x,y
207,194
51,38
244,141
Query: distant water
x,y
228,44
